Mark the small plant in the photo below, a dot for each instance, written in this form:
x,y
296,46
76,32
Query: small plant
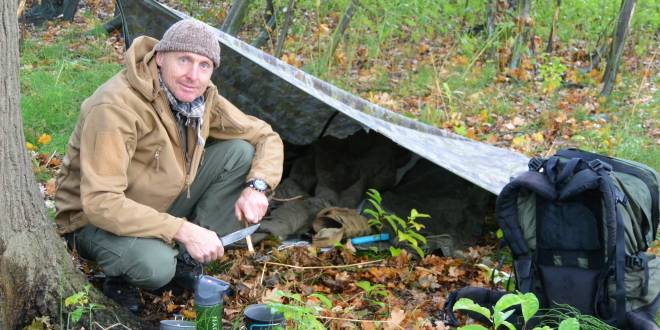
x,y
302,314
552,74
372,291
559,314
504,308
79,302
406,231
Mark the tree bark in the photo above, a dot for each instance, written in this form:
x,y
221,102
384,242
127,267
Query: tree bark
x,y
619,40
285,28
340,30
553,28
271,20
36,272
234,19
524,23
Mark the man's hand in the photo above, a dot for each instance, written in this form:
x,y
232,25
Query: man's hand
x,y
202,244
251,206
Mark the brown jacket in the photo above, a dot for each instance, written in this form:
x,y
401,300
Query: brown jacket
x,y
125,164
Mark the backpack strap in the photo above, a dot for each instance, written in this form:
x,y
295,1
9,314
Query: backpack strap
x,y
507,207
506,210
615,233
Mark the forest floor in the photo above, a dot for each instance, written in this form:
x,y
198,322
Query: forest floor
x,y
438,74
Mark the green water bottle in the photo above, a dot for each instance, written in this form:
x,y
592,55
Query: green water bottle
x,y
209,293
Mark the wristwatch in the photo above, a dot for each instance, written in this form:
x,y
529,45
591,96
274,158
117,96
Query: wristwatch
x,y
258,185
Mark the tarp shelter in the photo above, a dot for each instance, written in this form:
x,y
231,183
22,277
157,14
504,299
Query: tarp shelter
x,y
304,109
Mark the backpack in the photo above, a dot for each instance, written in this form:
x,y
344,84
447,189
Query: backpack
x,y
578,225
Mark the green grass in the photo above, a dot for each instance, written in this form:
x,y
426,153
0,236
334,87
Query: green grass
x,y
56,77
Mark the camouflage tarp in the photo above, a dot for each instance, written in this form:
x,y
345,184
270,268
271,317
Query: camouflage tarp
x,y
302,108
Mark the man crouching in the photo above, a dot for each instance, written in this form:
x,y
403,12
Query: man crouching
x,y
159,162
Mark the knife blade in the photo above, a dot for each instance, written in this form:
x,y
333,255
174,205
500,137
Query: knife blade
x,y
238,235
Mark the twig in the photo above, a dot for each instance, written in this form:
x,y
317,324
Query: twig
x,y
263,273
286,199
110,327
50,158
357,320
428,271
639,91
323,267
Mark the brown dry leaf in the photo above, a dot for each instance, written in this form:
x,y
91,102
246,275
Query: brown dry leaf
x,y
396,317
471,133
291,59
518,121
323,29
50,187
189,314
456,272
248,270
340,57
561,118
460,60
423,48
171,308
367,326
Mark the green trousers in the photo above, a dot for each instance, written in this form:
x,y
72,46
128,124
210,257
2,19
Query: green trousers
x,y
150,263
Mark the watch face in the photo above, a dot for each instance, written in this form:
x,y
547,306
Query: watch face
x,y
260,185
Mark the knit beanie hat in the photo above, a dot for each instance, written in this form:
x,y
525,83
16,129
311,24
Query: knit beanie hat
x,y
190,35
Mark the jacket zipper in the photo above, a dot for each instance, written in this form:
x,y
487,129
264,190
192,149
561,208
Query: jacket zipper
x,y
157,157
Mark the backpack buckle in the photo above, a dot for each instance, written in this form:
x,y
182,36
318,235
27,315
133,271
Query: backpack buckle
x,y
535,164
635,262
597,165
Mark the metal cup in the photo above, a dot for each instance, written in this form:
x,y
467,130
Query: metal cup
x,y
176,325
260,317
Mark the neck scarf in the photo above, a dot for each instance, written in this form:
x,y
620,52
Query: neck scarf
x,y
193,111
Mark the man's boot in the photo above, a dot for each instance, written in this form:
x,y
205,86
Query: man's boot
x,y
185,275
122,293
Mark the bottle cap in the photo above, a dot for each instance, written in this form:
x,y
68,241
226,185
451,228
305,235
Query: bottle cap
x,y
209,290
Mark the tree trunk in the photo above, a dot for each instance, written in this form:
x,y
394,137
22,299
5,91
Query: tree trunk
x,y
36,272
340,30
285,29
524,23
619,40
271,20
490,23
234,19
553,28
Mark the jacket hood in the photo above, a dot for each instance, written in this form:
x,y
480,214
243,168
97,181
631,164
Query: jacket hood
x,y
141,69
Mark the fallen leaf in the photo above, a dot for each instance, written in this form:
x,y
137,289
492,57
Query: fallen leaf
x,y
396,317
44,139
51,187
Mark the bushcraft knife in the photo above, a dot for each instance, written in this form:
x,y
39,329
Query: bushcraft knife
x,y
226,240
238,235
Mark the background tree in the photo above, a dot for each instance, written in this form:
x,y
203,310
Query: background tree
x,y
36,272
619,40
